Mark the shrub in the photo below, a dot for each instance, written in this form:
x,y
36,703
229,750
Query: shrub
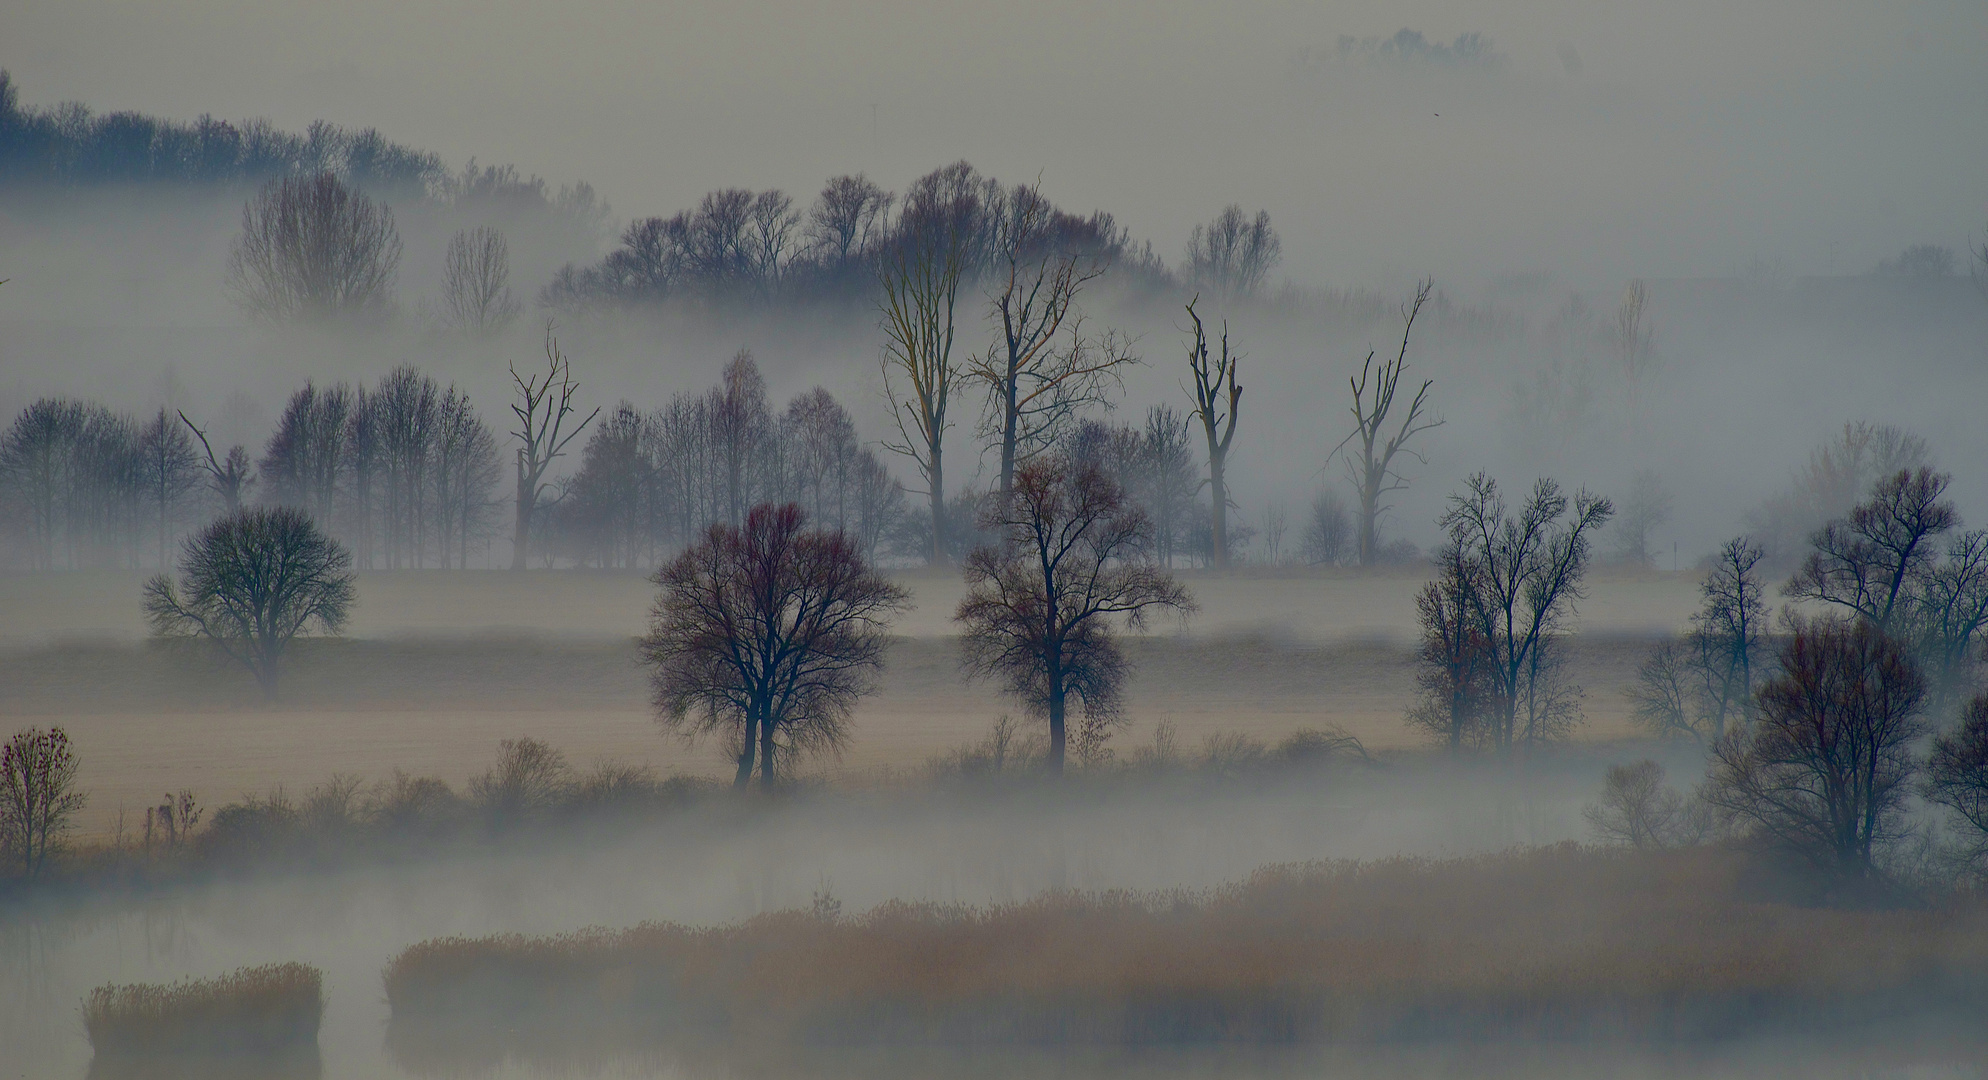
x,y
529,777
255,1008
37,796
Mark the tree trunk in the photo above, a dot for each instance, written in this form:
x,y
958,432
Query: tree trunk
x,y
265,676
744,775
938,486
1218,546
1369,529
525,500
1008,434
768,777
1054,761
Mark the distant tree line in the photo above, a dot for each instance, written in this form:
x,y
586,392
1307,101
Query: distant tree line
x,y
69,145
652,482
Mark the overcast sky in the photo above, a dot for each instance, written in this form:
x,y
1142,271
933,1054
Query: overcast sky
x,y
1679,138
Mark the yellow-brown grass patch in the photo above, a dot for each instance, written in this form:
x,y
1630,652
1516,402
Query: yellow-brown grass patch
x,y
1550,943
253,1009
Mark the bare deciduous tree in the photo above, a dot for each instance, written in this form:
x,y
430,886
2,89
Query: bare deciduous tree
x,y
313,248
476,281
1638,809
542,404
848,219
1704,684
1957,772
768,633
921,278
1647,508
1216,395
1043,371
1326,527
230,477
1883,565
1039,606
1520,578
1827,767
1634,341
251,583
170,471
1370,448
1232,254
37,795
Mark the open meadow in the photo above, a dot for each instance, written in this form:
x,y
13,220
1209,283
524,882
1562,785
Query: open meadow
x,y
436,668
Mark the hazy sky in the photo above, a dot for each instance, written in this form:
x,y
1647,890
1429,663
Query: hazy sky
x,y
1680,138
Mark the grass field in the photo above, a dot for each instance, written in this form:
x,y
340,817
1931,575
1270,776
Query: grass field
x,y
438,667
1551,944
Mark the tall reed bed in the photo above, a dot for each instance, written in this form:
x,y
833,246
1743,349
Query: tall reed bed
x,y
1560,943
266,1008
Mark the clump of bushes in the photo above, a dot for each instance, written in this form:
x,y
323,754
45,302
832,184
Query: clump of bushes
x,y
254,1009
530,784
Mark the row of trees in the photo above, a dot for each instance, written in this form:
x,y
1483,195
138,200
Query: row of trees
x,y
88,487
766,633
1816,729
651,483
739,245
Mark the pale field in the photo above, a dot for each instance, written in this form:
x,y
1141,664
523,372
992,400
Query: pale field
x,y
437,667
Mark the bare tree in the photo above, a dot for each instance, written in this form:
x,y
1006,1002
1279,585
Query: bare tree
x,y
1883,565
1643,512
304,459
1039,607
1638,809
1703,685
229,478
313,248
529,777
1370,448
1523,579
921,279
1461,696
1276,522
1216,395
1232,254
1957,772
1044,370
1632,337
170,470
38,459
250,583
1826,769
1836,476
37,795
543,402
768,633
1326,527
476,281
848,219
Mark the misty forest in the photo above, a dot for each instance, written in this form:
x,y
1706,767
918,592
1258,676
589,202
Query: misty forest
x,y
1423,554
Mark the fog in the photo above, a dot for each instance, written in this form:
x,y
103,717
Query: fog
x,y
1760,168
723,863
1606,141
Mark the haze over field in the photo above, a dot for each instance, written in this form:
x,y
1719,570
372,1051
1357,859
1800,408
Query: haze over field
x,y
471,471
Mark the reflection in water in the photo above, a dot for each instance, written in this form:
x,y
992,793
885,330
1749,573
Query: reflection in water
x,y
297,1063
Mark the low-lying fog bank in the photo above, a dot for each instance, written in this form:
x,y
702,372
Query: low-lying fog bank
x,y
724,861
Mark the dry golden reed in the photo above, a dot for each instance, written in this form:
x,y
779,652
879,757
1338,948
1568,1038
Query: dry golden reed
x,y
1550,943
254,1008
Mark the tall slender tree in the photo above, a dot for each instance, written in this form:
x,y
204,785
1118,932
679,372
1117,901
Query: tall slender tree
x,y
1216,395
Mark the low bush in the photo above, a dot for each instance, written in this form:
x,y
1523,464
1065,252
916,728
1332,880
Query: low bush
x,y
1559,943
254,1009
